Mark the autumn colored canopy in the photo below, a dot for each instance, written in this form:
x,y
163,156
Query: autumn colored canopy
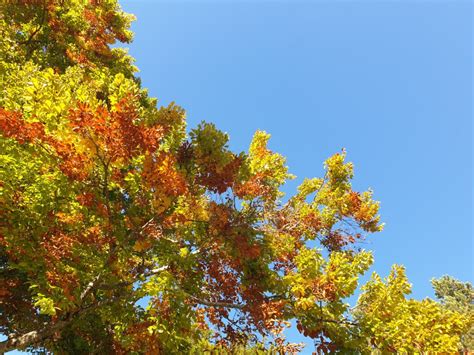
x,y
123,232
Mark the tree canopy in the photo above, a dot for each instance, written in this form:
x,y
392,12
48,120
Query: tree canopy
x,y
123,232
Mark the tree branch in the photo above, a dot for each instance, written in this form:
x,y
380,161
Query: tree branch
x,y
343,321
30,338
89,287
216,304
35,337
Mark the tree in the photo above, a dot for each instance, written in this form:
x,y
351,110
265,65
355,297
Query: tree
x,y
123,233
459,297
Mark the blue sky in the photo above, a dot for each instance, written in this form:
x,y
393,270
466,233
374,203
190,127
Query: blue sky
x,y
390,81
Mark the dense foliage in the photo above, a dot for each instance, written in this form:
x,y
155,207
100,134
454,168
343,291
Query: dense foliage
x,y
459,297
122,232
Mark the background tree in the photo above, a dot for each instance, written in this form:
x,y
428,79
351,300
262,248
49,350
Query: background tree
x,y
122,233
459,297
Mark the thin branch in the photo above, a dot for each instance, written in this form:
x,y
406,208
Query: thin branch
x,y
128,283
142,228
216,304
89,287
343,321
156,271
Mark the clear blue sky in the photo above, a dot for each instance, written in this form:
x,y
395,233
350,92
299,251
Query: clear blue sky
x,y
391,81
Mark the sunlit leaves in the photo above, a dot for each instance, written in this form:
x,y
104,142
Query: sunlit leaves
x,y
392,322
458,296
59,34
217,166
267,171
45,305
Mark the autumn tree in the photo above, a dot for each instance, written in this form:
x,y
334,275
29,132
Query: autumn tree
x,y
459,297
123,232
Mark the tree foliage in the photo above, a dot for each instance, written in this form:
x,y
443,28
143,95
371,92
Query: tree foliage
x,y
123,232
458,296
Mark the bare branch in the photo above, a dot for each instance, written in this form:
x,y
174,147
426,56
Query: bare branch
x,y
216,304
89,287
